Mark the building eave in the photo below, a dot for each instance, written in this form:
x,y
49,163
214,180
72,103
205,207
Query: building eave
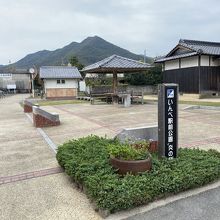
x,y
164,59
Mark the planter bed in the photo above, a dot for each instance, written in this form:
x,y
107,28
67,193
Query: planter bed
x,y
86,160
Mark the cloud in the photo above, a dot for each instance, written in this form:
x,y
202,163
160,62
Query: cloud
x,y
28,25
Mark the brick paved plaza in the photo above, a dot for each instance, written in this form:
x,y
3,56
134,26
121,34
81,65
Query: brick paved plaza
x,y
31,182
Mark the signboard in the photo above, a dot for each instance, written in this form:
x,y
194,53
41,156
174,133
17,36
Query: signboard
x,y
11,86
5,75
168,120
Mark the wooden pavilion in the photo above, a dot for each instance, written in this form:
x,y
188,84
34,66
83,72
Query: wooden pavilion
x,y
116,65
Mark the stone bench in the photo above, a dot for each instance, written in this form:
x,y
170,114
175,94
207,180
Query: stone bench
x,y
42,118
28,106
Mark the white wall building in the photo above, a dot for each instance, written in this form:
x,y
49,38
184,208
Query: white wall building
x,y
60,81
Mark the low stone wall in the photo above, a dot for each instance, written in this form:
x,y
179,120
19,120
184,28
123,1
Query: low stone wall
x,y
139,133
28,106
42,118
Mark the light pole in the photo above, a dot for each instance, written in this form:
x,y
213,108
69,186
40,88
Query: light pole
x,y
32,71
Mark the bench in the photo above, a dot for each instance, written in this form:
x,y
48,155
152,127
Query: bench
x,y
28,106
42,118
100,97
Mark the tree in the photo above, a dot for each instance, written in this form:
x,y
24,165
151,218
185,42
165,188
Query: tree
x,y
75,62
151,77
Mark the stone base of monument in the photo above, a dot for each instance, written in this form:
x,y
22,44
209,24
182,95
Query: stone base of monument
x,y
149,133
131,166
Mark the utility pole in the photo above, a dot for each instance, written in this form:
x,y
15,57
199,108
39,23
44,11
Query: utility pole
x,y
144,55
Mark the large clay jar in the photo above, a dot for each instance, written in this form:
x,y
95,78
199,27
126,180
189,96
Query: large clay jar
x,y
131,166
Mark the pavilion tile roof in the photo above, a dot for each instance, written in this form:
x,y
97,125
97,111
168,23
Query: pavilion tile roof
x,y
115,63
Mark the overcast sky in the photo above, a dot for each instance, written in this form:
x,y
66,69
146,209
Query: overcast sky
x,y
28,26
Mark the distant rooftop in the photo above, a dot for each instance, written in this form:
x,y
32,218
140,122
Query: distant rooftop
x,y
194,47
59,72
15,71
116,63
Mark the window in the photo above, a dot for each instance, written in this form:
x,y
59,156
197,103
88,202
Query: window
x,y
60,81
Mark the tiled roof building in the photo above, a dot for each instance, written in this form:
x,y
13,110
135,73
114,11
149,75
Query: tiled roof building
x,y
194,65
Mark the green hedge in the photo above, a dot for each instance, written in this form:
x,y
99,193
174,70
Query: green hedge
x,y
87,161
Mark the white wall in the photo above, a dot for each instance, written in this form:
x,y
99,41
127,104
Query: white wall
x,y
185,62
204,60
189,62
215,62
172,64
52,84
82,86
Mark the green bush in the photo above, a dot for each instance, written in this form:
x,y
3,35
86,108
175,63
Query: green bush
x,y
153,76
127,151
87,161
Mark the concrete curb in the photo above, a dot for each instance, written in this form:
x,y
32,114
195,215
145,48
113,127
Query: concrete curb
x,y
162,202
194,107
46,138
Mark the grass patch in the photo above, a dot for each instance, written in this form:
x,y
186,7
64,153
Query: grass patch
x,y
86,160
60,102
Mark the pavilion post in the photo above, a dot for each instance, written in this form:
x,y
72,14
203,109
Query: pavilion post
x,y
115,88
115,82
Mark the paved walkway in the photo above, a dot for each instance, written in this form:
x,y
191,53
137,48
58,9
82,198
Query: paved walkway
x,y
32,185
197,128
204,206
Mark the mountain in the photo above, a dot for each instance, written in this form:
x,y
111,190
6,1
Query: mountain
x,y
90,50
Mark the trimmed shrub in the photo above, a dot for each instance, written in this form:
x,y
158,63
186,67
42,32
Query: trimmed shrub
x,y
86,160
126,151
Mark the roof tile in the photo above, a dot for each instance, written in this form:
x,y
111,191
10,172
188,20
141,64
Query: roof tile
x,y
197,47
56,72
115,62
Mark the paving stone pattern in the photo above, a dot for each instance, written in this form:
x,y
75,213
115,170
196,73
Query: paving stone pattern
x,y
31,182
30,175
32,185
